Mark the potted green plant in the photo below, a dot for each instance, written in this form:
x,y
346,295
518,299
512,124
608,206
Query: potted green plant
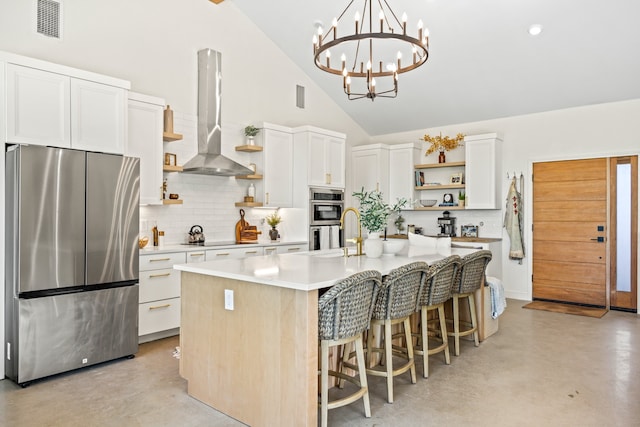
x,y
273,220
250,132
461,198
374,214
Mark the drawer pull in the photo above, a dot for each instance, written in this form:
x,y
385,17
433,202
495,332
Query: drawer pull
x,y
155,276
155,307
223,254
159,259
270,249
251,252
293,249
200,254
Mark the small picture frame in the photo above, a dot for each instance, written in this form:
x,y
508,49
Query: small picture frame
x,y
456,178
469,231
170,159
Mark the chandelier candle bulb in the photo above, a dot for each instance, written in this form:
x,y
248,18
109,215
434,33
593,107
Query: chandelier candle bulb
x,y
381,16
404,24
399,59
357,17
328,59
319,36
420,25
343,58
334,24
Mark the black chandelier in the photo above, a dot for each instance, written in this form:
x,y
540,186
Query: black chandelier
x,y
360,76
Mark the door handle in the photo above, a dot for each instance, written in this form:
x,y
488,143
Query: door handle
x,y
598,239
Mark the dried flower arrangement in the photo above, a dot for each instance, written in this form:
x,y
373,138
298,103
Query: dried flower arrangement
x,y
440,143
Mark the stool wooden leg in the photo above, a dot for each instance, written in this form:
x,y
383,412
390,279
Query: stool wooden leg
x,y
389,360
474,319
443,332
409,343
346,351
363,376
324,382
456,326
425,342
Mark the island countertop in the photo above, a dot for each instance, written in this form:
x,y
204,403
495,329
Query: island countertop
x,y
308,271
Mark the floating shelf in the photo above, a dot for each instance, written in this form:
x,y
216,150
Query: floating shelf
x,y
253,176
249,148
440,187
439,165
171,168
170,137
440,208
171,202
249,204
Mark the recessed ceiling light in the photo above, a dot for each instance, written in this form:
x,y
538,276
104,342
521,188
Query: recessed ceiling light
x,y
535,29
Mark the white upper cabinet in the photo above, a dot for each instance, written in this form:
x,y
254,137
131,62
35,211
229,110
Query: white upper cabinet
x,y
402,159
370,168
98,117
483,154
145,124
278,166
325,156
38,107
59,106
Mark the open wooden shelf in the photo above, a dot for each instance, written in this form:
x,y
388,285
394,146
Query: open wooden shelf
x,y
439,165
249,148
171,202
253,176
171,168
249,204
170,137
440,187
440,208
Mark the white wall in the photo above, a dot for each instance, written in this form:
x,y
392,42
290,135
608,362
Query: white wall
x,y
602,130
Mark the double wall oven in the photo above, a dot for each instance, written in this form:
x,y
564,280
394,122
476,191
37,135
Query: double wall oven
x,y
325,208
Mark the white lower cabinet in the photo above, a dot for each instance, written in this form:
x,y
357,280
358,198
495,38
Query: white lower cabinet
x,y
285,249
231,253
159,309
197,256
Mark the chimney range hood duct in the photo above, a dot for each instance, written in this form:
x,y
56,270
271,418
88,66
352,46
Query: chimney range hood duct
x,y
209,160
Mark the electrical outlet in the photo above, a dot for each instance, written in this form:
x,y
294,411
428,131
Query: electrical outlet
x,y
228,299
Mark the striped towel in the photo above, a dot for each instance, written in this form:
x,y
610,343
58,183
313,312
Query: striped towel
x,y
498,300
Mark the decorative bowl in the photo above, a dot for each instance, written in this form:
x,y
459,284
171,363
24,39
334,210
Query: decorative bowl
x,y
142,242
393,246
428,202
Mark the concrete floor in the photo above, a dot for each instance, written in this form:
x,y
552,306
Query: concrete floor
x,y
540,369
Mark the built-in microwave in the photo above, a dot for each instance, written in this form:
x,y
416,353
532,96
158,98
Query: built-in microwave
x,y
325,206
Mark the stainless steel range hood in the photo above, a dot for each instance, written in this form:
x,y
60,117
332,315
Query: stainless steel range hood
x,y
209,160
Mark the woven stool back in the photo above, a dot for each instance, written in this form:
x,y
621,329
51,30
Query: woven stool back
x,y
399,293
439,281
344,311
472,271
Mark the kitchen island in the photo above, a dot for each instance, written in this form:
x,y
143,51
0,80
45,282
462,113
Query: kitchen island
x,y
257,359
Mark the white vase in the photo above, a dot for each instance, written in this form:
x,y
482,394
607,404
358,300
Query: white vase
x,y
373,245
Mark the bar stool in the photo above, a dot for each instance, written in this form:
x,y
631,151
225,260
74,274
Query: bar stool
x,y
344,313
435,292
469,279
395,303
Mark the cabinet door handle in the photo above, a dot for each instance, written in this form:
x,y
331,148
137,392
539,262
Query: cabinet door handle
x,y
293,249
159,259
198,254
156,307
223,254
266,198
155,276
327,178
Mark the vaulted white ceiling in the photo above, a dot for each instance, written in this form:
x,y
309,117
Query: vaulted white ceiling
x,y
483,63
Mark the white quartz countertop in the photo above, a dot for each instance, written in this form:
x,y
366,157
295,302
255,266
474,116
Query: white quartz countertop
x,y
177,247
313,270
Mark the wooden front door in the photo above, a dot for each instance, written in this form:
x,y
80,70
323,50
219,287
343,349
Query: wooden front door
x,y
569,231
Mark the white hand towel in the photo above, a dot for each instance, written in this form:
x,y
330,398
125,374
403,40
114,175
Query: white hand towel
x,y
324,238
335,236
498,300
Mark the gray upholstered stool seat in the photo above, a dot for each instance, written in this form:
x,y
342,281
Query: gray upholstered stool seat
x,y
395,304
469,279
344,313
435,292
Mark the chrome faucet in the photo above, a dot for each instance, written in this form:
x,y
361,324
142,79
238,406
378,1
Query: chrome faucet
x,y
356,240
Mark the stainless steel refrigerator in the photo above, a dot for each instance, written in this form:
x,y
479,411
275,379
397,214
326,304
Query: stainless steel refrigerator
x,y
71,285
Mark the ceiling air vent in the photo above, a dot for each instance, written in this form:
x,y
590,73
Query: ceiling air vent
x,y
49,14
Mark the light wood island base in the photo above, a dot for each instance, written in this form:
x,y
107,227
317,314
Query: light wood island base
x,y
257,363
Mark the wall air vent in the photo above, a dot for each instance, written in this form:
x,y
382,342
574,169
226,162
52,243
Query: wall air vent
x,y
49,18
